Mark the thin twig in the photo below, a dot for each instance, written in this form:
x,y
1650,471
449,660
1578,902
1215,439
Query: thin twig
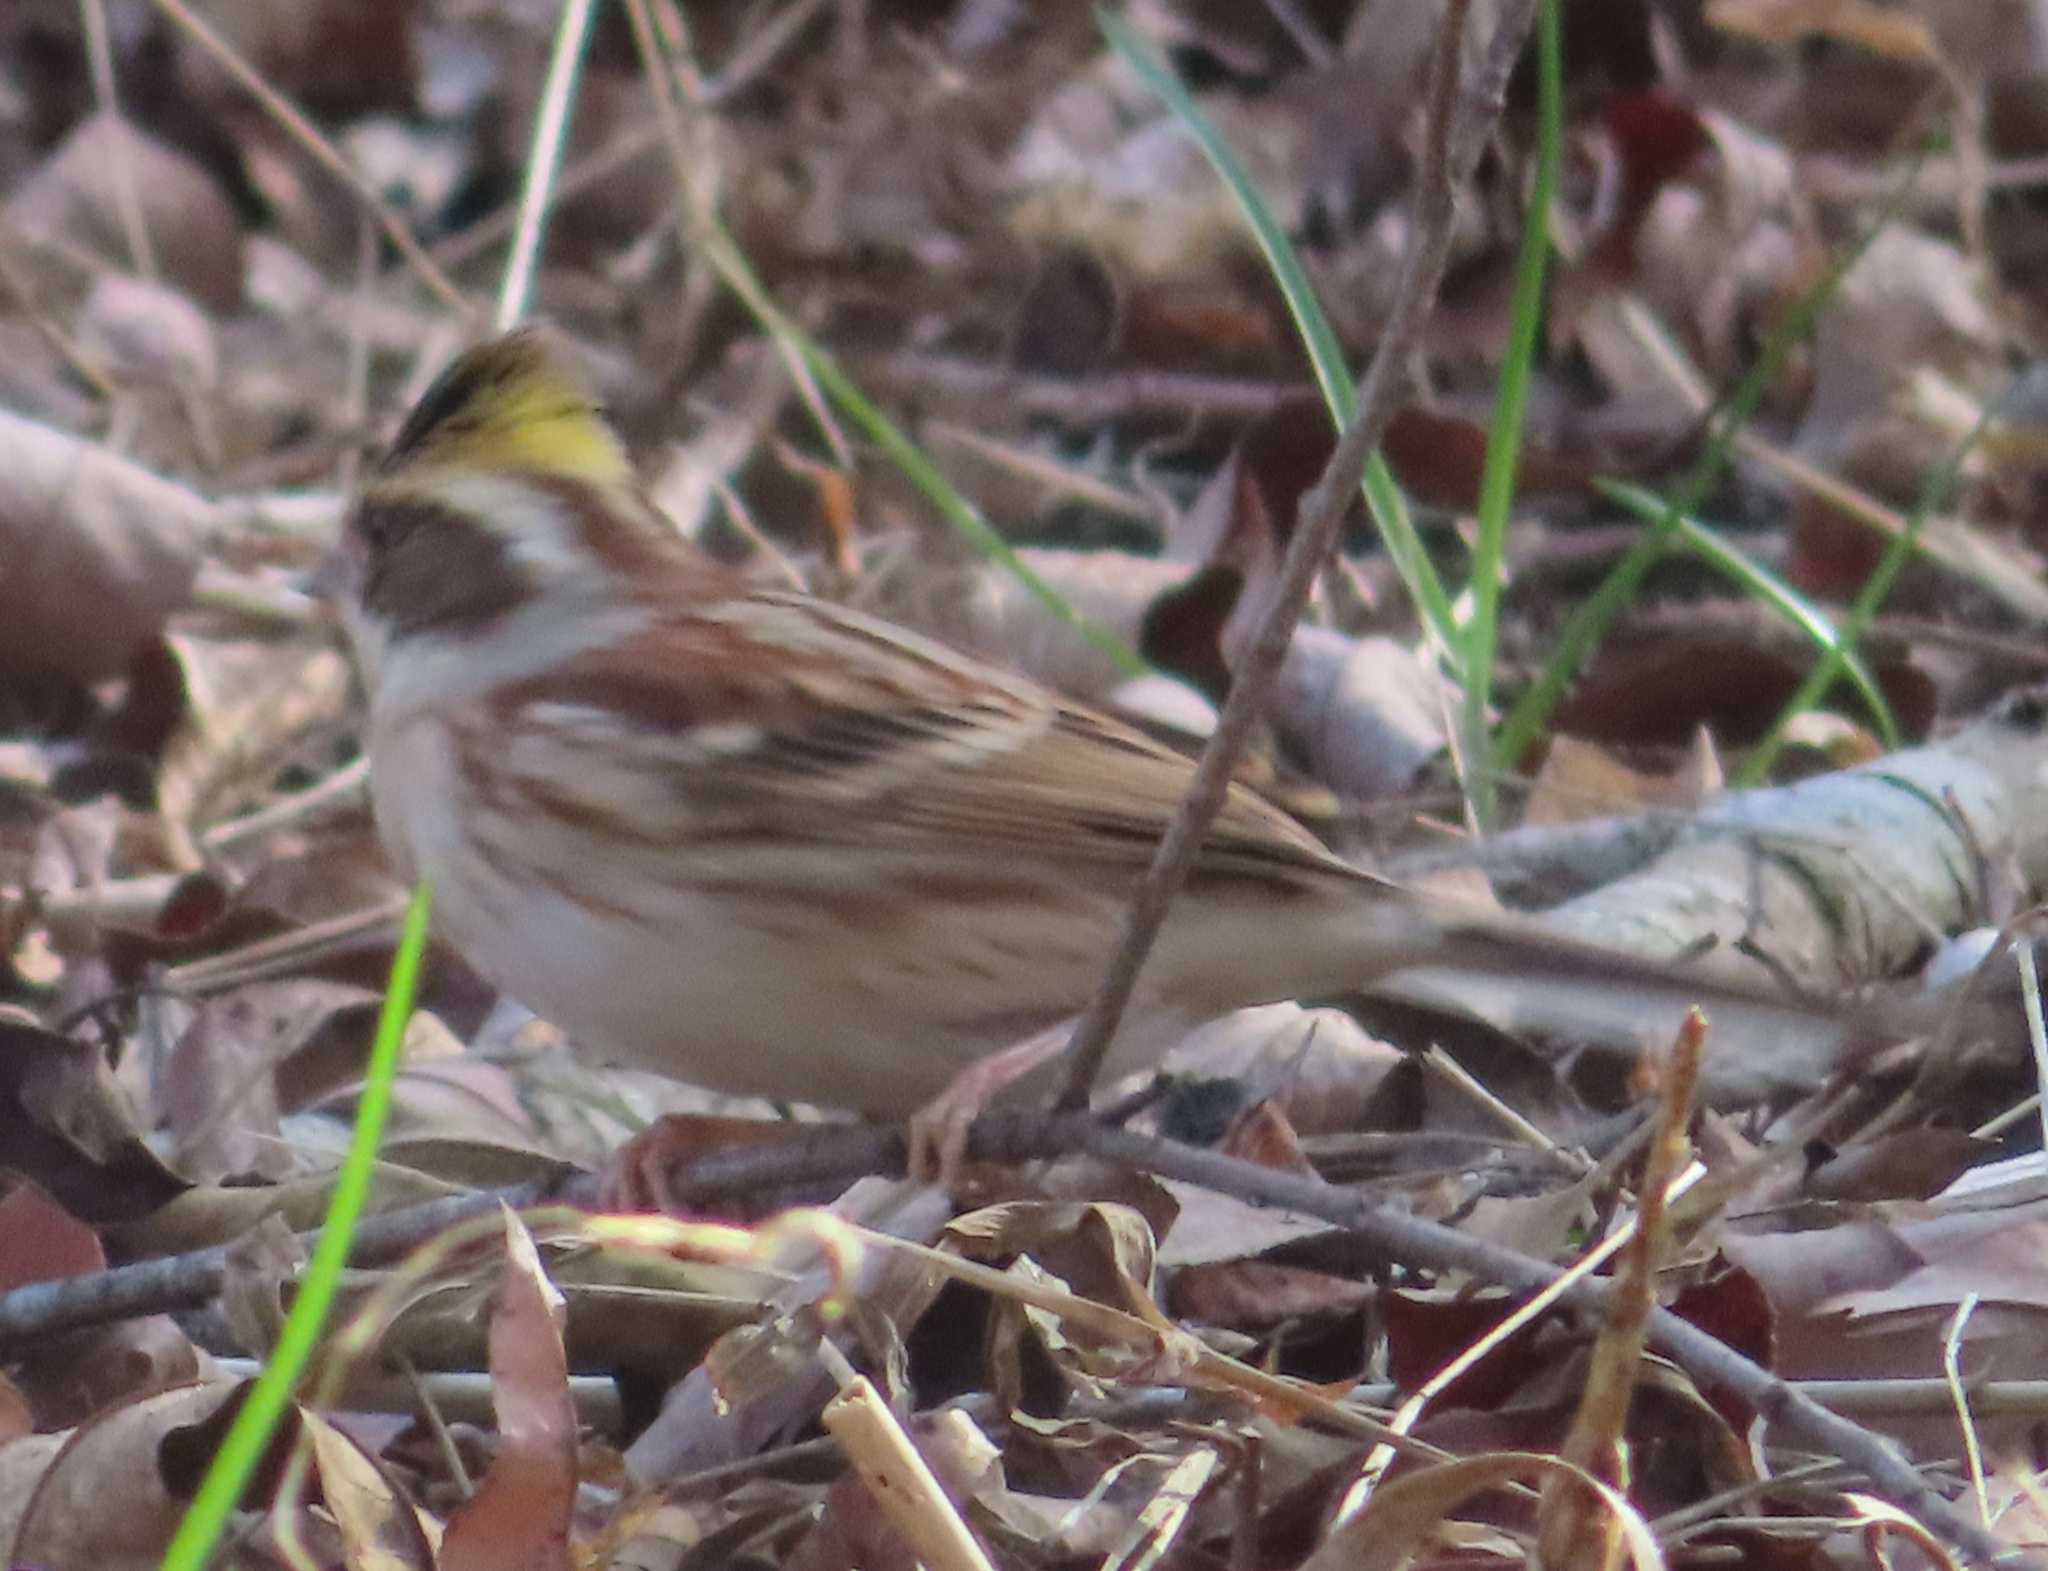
x,y
189,1281
1323,509
1412,1240
1072,403
302,131
99,50
1302,32
14,281
544,160
835,1154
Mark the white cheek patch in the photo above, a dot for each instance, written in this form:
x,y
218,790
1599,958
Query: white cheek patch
x,y
427,672
542,538
710,743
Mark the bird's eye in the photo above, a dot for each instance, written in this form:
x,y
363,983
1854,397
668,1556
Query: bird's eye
x,y
381,526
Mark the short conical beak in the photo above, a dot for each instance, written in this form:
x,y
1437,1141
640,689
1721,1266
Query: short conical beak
x,y
332,574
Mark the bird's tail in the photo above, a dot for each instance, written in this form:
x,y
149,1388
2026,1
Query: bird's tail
x,y
1763,1040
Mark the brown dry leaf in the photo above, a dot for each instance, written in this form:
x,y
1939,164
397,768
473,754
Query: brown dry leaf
x,y
1104,1252
214,1214
1543,1225
76,1375
852,1533
1256,1295
467,1161
1903,1164
1438,457
379,1528
219,1087
259,1266
1674,1415
309,1035
66,1378
462,1104
1711,245
519,1518
1214,1227
1319,1067
1405,1516
970,1467
351,55
1659,690
339,877
1194,323
1427,1330
1581,780
1873,1297
1111,1487
39,1240
246,704
1263,1135
72,1130
74,196
1066,322
72,1517
23,1462
82,527
1110,1251
1246,513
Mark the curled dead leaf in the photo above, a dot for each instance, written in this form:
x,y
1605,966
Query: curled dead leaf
x,y
81,527
75,195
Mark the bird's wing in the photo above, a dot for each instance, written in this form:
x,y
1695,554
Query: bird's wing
x,y
780,716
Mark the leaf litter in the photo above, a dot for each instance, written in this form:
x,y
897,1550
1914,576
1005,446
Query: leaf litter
x,y
983,213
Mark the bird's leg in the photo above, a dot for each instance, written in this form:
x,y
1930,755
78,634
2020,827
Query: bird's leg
x,y
938,1130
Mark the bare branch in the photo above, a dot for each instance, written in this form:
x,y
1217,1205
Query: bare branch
x,y
1446,162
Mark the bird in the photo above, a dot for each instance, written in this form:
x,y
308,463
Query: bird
x,y
772,845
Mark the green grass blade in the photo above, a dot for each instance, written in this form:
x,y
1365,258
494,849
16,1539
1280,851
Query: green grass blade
x,y
739,276
1504,431
1383,497
702,229
249,1435
1935,490
1589,623
1766,586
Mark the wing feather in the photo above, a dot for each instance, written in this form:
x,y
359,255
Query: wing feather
x,y
783,718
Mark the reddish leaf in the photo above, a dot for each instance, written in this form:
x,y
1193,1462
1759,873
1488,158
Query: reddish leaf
x,y
518,1520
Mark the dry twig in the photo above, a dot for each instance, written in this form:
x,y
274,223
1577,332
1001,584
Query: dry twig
x,y
1446,162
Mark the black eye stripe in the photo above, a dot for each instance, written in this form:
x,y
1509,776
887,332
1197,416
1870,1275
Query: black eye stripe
x,y
381,525
434,568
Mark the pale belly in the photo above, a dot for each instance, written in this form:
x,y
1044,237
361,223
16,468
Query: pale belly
x,y
807,1005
